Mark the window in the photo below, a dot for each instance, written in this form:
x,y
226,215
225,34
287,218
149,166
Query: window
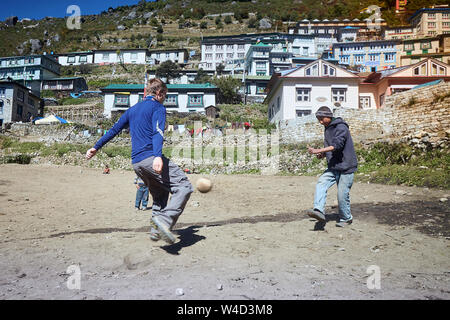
x,y
389,57
364,102
20,95
408,46
328,70
425,45
437,70
431,25
141,97
208,56
230,55
240,55
382,99
374,57
260,89
359,58
209,66
219,56
31,102
208,47
167,55
339,95
105,57
343,59
241,47
432,16
1,106
19,110
195,100
70,59
219,47
302,113
303,94
446,25
305,51
83,58
2,92
230,47
312,71
420,70
261,66
445,16
134,56
121,100
171,100
29,60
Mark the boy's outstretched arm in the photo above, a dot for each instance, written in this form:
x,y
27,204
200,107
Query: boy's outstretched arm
x,y
115,130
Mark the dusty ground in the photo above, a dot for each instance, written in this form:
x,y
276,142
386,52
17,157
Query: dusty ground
x,y
249,238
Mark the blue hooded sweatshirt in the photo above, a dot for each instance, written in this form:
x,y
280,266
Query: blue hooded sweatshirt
x,y
343,157
147,120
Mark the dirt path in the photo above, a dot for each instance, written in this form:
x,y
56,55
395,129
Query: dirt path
x,y
249,238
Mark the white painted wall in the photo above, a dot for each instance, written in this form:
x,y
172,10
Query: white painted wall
x,y
63,60
208,99
321,95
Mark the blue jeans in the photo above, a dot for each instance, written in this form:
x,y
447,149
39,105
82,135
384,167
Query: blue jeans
x,y
141,195
344,184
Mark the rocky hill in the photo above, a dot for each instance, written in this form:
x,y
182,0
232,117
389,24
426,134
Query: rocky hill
x,y
158,24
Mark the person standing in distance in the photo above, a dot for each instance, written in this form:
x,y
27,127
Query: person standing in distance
x,y
146,121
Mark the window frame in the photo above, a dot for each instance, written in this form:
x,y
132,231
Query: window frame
x,y
118,97
302,93
336,93
367,99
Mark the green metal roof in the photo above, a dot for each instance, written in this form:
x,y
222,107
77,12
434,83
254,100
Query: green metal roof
x,y
239,76
117,86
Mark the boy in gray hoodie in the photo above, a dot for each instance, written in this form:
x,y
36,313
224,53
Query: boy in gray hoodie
x,y
342,163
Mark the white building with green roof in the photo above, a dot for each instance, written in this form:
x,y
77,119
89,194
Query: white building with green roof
x,y
180,97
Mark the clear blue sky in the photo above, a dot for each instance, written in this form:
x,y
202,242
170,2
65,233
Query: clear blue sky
x,y
56,8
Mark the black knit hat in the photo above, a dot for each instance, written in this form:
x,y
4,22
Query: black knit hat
x,y
324,112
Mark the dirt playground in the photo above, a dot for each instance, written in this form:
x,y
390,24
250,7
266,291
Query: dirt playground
x,y
249,238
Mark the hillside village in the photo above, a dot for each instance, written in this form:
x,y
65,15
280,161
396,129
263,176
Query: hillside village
x,y
348,63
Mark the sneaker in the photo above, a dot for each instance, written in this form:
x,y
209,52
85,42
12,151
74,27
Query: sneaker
x,y
144,208
316,214
342,224
163,229
137,209
155,236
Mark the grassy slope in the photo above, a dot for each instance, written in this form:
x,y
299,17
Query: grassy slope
x,y
100,31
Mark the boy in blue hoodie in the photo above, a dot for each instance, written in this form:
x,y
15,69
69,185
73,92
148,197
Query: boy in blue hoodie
x,y
342,163
146,121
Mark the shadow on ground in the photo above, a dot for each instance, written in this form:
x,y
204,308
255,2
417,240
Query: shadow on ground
x,y
429,217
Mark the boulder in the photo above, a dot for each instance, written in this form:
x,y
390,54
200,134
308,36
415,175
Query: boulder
x,y
265,24
148,15
36,45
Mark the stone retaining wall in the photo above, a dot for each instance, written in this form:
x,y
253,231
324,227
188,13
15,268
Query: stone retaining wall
x,y
415,112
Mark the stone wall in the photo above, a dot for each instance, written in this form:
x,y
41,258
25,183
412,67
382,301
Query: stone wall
x,y
410,114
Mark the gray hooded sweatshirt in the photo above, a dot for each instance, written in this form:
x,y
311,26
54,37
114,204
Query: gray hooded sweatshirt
x,y
343,158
